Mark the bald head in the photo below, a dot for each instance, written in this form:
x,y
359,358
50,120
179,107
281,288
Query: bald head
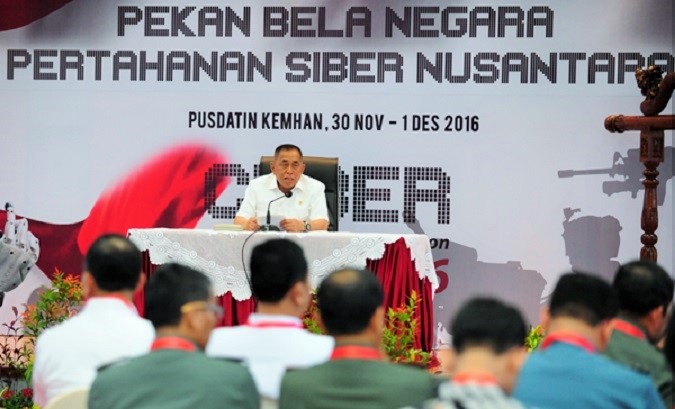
x,y
347,300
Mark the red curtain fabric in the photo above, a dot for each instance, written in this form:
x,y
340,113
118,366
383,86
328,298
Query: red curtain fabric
x,y
395,270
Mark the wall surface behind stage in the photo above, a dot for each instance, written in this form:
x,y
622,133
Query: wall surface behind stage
x,y
479,125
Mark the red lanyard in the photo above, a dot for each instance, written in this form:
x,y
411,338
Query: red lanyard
x,y
628,328
356,352
568,338
173,343
475,378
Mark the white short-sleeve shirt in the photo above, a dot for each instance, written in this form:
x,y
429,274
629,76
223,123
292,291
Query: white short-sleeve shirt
x,y
307,203
270,345
67,356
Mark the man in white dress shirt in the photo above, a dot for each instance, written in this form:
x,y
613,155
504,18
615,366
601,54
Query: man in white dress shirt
x,y
107,329
304,210
274,340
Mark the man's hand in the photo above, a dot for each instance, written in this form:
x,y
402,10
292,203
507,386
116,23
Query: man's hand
x,y
247,224
292,225
251,224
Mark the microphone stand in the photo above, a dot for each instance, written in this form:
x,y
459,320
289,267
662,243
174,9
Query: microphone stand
x,y
268,223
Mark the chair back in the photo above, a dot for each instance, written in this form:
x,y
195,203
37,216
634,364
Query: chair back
x,y
324,170
76,399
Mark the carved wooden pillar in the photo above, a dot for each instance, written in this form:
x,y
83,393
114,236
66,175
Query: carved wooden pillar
x,y
651,127
651,154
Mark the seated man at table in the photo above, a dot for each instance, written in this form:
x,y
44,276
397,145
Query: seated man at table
x,y
567,372
274,339
357,375
304,207
176,374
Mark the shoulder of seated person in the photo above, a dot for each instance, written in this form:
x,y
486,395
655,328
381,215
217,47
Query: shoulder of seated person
x,y
231,360
114,364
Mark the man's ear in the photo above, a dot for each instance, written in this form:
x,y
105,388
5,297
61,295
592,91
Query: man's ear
x,y
88,285
272,166
654,322
140,284
376,323
606,328
545,318
656,315
299,294
448,358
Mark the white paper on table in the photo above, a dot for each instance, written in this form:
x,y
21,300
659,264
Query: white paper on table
x,y
275,220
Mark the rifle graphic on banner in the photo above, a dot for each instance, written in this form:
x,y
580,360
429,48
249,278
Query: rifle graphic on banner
x,y
630,169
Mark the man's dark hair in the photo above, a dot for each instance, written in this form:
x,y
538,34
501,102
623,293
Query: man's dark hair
x,y
169,288
347,299
114,262
487,322
643,286
585,297
276,265
287,147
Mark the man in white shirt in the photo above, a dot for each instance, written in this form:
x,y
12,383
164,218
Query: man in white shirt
x,y
274,340
303,208
107,329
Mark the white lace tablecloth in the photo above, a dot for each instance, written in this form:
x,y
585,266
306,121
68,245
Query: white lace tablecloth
x,y
219,254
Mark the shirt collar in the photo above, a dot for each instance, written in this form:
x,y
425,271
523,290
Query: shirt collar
x,y
175,343
282,320
111,300
569,338
629,327
356,352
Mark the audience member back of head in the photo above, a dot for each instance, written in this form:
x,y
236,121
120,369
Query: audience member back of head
x,y
567,372
176,374
274,338
645,297
106,329
488,352
357,376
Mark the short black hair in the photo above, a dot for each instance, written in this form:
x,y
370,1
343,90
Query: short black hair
x,y
585,297
287,147
276,265
347,299
169,288
642,286
114,262
488,322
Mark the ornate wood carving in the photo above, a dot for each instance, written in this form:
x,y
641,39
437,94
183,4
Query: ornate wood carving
x,y
651,126
656,90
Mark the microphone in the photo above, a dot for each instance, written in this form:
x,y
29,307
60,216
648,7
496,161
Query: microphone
x,y
268,226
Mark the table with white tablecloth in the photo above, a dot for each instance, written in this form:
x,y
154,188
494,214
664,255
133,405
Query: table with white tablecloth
x,y
402,262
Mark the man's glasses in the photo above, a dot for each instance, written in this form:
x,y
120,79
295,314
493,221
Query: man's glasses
x,y
202,306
